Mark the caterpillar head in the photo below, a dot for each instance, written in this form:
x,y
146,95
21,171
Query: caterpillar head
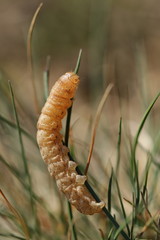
x,y
74,78
66,86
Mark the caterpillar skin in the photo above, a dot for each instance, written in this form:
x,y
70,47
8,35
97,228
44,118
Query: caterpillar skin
x,y
55,154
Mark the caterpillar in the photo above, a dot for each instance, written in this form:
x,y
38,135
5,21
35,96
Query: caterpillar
x,y
55,153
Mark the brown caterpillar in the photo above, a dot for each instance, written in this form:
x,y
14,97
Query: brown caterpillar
x,y
55,154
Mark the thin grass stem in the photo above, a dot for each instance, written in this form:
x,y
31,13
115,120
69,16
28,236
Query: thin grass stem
x,y
27,174
110,192
119,145
78,62
17,215
136,142
122,206
29,53
95,124
69,112
13,125
46,74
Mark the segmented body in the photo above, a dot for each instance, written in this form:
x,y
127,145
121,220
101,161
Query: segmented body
x,y
55,154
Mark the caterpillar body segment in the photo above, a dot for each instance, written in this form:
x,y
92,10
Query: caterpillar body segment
x,y
55,154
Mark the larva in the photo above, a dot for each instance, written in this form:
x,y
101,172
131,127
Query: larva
x,y
55,154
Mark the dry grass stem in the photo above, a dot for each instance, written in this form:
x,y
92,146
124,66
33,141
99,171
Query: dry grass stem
x,y
17,215
29,53
95,124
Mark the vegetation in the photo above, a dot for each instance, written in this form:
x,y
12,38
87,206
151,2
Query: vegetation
x,y
123,170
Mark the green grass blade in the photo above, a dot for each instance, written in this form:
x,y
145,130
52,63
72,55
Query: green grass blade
x,y
27,174
13,125
46,74
121,227
72,225
142,124
11,168
109,237
122,206
12,236
19,177
146,177
78,62
20,135
119,145
135,143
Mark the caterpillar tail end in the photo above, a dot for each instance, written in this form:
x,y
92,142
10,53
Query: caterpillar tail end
x,y
92,208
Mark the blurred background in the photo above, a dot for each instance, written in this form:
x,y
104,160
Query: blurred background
x,y
120,40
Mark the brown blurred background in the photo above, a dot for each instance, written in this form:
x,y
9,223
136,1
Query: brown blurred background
x,y
120,41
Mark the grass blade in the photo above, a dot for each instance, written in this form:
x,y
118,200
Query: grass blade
x,y
29,53
109,192
119,145
135,143
12,236
13,125
78,62
122,206
146,177
46,74
95,124
69,112
11,168
121,227
101,234
18,217
20,177
27,174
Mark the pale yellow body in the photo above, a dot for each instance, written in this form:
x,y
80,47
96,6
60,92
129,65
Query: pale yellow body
x,y
55,154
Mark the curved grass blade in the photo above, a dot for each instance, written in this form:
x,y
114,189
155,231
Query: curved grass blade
x,y
29,52
101,234
95,124
78,62
135,143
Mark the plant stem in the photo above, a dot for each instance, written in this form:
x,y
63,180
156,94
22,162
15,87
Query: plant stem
x,y
69,112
